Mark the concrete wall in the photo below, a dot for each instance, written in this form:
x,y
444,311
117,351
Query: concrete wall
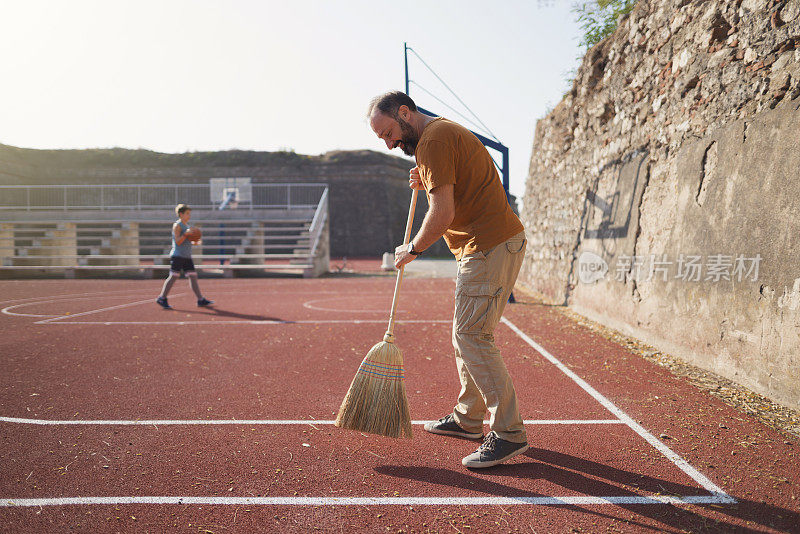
x,y
664,194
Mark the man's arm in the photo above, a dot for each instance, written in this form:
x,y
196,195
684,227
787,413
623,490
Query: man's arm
x,y
441,212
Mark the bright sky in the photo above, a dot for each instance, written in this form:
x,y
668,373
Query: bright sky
x,y
175,76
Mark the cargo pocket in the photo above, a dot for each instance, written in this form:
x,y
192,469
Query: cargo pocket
x,y
515,246
476,307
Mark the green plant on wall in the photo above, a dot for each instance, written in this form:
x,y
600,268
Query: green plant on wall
x,y
598,18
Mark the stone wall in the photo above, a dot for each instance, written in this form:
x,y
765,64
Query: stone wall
x,y
663,197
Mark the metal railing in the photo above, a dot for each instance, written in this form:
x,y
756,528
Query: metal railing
x,y
153,196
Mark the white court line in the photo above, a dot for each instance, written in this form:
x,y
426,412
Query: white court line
x,y
117,307
372,501
7,312
86,296
135,293
159,422
679,462
53,318
312,305
222,322
7,309
718,496
66,296
49,300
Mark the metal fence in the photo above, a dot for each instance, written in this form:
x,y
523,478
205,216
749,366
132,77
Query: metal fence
x,y
152,197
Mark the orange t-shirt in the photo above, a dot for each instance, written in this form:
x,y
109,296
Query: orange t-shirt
x,y
448,153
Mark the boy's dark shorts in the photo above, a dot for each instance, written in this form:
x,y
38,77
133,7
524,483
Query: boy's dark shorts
x,y
178,264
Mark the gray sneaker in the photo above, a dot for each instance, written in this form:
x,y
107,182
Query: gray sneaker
x,y
493,451
447,426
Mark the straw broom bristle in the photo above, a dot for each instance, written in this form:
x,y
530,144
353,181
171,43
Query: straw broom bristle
x,y
376,402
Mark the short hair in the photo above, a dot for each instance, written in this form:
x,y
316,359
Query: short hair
x,y
389,103
182,208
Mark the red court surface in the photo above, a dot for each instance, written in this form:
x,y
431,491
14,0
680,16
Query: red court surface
x,y
118,416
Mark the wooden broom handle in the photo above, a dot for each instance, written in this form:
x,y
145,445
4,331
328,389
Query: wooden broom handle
x,y
389,337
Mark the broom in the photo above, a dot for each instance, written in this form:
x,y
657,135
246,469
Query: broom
x,y
376,401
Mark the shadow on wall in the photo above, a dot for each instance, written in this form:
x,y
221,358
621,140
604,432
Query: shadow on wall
x,y
610,212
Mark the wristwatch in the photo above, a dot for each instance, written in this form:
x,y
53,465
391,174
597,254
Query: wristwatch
x,y
412,251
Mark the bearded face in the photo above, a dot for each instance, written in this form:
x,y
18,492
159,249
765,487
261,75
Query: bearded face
x,y
394,131
408,138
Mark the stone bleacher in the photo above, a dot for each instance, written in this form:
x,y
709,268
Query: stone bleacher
x,y
293,240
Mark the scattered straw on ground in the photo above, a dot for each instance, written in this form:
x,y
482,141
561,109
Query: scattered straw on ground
x,y
775,415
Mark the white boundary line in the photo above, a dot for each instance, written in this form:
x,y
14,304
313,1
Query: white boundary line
x,y
7,309
223,322
59,318
371,501
158,422
7,312
718,496
311,305
117,307
136,293
679,462
67,296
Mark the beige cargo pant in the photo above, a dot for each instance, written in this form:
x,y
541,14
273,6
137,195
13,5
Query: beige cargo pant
x,y
483,285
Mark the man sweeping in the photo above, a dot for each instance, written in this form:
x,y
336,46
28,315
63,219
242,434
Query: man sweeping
x,y
468,206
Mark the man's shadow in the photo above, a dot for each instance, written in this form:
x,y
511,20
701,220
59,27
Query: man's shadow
x,y
585,477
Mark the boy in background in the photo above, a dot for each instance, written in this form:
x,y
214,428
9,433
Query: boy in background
x,y
181,259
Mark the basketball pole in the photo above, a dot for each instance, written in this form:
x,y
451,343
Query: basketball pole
x,y
496,145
